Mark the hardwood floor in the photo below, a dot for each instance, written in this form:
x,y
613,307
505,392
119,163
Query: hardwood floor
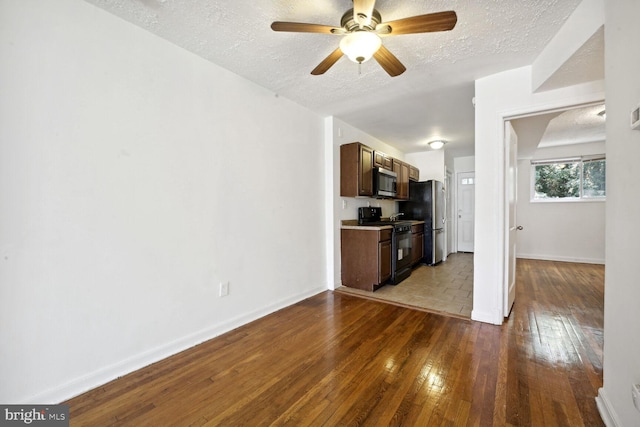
x,y
335,359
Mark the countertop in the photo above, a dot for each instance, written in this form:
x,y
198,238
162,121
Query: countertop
x,y
352,224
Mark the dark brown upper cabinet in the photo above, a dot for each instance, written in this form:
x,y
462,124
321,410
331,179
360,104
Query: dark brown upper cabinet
x,y
381,160
356,170
402,169
357,162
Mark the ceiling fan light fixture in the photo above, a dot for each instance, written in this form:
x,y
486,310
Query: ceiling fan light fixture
x,y
437,144
359,46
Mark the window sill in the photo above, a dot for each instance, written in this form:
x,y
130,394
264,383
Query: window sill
x,y
584,200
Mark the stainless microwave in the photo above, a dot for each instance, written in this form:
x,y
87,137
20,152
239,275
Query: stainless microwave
x,y
385,183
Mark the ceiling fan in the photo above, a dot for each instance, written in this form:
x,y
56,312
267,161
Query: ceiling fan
x,y
361,28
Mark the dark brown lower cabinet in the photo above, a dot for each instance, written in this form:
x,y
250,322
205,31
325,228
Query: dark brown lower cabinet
x,y
366,258
417,243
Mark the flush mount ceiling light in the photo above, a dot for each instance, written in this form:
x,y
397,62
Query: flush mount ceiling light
x,y
437,144
360,46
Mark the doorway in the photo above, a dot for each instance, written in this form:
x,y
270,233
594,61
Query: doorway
x,y
551,225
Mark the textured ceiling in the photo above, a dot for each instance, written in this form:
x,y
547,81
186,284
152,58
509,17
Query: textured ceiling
x,y
573,126
432,99
576,126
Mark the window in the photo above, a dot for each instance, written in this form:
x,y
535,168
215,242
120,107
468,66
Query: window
x,y
579,178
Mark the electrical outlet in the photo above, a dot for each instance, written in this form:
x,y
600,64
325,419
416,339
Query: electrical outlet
x,y
224,289
635,395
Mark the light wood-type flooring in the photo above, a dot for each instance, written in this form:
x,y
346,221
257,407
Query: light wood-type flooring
x,y
446,288
339,360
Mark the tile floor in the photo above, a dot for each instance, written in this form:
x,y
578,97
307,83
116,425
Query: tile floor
x,y
445,288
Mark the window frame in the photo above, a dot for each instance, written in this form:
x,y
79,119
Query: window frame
x,y
581,160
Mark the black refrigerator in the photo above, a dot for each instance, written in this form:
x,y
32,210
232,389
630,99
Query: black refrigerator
x,y
426,203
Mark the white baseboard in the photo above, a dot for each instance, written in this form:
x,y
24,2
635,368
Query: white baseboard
x,y
487,317
562,258
607,412
109,373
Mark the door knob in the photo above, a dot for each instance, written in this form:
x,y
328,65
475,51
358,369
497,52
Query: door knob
x,y
519,227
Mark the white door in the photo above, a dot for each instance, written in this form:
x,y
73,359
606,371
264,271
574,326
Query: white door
x,y
466,191
511,179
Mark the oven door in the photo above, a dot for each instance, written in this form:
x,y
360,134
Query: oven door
x,y
403,250
401,256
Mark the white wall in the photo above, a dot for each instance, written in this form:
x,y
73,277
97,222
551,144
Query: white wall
x,y
464,164
430,163
498,97
622,292
134,177
559,231
337,134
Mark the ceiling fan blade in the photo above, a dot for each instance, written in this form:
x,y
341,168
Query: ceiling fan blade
x,y
299,27
362,11
440,21
389,62
327,62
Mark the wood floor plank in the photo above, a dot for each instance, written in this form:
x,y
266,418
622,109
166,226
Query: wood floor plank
x,y
337,359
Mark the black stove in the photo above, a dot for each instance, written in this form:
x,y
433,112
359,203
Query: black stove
x,y
400,241
373,216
